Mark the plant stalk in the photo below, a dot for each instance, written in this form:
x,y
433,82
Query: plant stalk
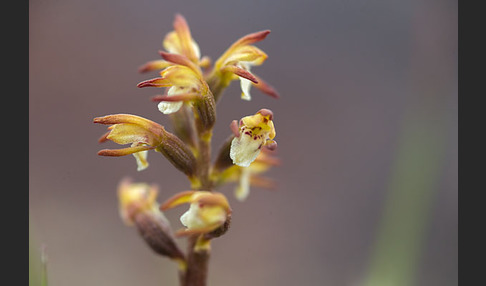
x,y
197,263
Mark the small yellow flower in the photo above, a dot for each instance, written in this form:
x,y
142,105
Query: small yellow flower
x,y
207,211
179,42
134,198
236,63
138,207
253,133
183,81
141,133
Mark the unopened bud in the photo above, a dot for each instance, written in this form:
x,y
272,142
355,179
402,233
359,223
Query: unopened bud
x,y
155,230
206,111
220,230
138,206
178,153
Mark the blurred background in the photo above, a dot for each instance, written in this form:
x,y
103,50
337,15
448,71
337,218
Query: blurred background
x,y
366,128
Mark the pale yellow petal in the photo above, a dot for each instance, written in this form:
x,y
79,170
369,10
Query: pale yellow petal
x,y
141,158
243,189
128,133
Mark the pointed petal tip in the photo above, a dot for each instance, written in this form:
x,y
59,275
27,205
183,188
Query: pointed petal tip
x,y
242,73
101,119
179,18
163,54
104,137
265,32
143,84
150,83
143,68
105,152
253,38
234,128
266,88
173,58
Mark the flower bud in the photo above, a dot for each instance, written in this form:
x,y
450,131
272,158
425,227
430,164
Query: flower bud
x,y
206,111
155,230
177,153
220,230
138,207
143,134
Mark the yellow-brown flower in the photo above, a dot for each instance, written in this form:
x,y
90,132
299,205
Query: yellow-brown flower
x,y
141,133
253,133
138,207
236,62
180,42
185,83
207,212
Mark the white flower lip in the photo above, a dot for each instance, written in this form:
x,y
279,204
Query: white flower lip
x,y
141,158
245,88
244,150
190,219
171,107
243,189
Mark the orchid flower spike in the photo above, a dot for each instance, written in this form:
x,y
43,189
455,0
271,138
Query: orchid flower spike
x,y
253,133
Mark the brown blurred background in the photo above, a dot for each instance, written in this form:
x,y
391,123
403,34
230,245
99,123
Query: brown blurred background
x,y
366,128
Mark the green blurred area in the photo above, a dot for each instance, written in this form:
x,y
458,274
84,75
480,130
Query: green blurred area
x,y
419,161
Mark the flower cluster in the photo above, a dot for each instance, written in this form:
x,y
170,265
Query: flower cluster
x,y
192,86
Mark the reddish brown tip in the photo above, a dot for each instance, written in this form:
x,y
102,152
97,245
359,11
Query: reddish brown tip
x,y
252,38
266,88
179,60
103,137
266,112
155,82
234,128
242,73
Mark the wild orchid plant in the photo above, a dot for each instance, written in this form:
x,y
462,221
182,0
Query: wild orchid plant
x,y
193,87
